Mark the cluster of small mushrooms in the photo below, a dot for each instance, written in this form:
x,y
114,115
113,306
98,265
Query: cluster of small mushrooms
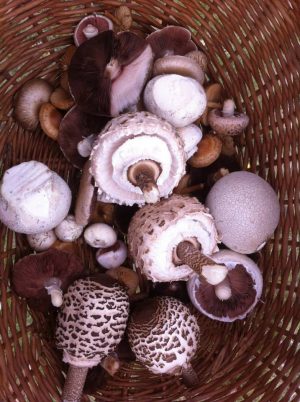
x,y
136,117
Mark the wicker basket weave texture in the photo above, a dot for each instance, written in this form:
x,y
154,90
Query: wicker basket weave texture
x,y
253,49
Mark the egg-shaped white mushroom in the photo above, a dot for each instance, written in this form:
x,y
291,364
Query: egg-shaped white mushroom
x,y
42,241
33,198
68,230
100,235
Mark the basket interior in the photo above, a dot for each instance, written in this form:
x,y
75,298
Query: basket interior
x,y
253,51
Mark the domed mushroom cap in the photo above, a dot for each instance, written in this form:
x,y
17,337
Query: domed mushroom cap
x,y
156,230
128,140
163,334
227,121
92,320
33,198
246,211
245,282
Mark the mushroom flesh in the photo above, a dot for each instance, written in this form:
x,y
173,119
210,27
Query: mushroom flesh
x,y
100,235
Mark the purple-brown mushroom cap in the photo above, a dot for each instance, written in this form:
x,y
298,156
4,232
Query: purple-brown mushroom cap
x,y
100,22
227,125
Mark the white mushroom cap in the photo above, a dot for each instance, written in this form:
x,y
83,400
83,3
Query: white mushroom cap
x,y
41,241
33,198
180,100
100,235
191,135
127,140
156,230
112,257
68,230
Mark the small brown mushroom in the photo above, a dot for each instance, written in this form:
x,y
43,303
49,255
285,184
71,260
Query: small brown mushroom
x,y
50,119
209,149
91,26
199,57
127,277
214,96
124,17
66,58
227,121
61,99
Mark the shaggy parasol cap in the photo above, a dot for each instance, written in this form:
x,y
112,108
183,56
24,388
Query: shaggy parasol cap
x,y
31,273
92,320
156,230
164,335
244,280
128,140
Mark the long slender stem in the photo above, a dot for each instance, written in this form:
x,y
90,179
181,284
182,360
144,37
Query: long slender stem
x,y
74,383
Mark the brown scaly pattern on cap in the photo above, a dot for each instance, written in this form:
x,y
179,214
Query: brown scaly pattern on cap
x,y
163,334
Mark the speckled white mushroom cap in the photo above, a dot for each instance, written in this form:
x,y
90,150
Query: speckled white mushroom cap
x,y
164,335
156,230
131,138
92,320
33,198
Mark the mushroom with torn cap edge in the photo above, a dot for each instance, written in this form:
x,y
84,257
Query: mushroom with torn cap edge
x,y
91,26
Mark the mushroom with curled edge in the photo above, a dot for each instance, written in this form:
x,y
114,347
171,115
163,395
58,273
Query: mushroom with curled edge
x,y
137,159
171,240
39,277
90,325
91,26
165,336
101,71
233,298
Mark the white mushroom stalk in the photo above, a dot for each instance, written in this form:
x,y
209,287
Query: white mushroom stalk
x,y
228,108
53,287
137,159
90,31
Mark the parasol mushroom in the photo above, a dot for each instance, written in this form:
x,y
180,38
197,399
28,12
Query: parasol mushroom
x,y
138,158
90,326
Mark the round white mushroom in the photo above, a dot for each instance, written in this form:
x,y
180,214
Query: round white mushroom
x,y
42,241
112,257
68,230
100,235
191,135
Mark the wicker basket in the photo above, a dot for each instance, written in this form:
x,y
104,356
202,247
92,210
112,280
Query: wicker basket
x,y
252,46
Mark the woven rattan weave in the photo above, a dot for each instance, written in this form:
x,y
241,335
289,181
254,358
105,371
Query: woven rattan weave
x,y
253,50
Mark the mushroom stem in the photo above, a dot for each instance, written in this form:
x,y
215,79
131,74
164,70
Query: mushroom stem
x,y
228,108
214,105
204,266
74,383
189,376
90,31
111,364
223,290
113,69
52,286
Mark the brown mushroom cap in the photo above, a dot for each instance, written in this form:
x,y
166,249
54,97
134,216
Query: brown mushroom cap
x,y
214,96
50,119
98,22
67,57
101,71
31,272
61,99
127,277
171,40
124,17
199,57
229,122
209,149
75,126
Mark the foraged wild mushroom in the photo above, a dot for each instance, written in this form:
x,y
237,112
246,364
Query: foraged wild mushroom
x,y
90,326
171,240
246,211
50,119
68,230
100,235
199,57
61,99
38,276
111,61
91,26
113,256
214,96
191,136
164,336
85,197
227,121
209,149
29,100
171,40
137,158
127,277
74,127
42,241
233,298
85,146
124,17
177,99
33,198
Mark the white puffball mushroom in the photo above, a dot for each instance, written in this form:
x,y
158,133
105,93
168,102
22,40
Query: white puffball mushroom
x,y
68,230
191,135
100,235
41,241
112,257
177,99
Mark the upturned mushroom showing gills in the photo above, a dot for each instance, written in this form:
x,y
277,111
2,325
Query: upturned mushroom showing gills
x,y
137,159
164,336
171,240
91,26
233,298
102,70
90,325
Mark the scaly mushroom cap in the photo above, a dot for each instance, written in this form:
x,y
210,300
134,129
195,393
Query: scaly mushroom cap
x,y
127,140
156,230
164,335
92,320
227,121
245,282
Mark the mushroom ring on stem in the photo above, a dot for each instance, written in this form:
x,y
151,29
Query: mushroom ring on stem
x,y
138,158
158,234
234,297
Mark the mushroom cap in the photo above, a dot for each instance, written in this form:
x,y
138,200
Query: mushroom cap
x,y
61,99
33,198
100,235
208,151
42,241
92,320
246,211
99,21
75,126
68,230
163,334
31,272
227,125
131,138
171,40
101,71
156,230
177,99
242,302
50,119
200,57
113,256
191,135
29,100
